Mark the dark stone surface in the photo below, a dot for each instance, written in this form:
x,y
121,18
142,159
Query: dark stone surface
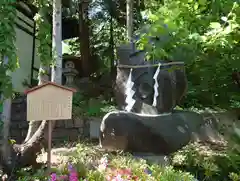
x,y
172,84
158,134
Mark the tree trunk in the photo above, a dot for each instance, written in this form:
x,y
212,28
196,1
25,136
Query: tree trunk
x,y
129,20
84,38
24,155
111,42
236,78
6,117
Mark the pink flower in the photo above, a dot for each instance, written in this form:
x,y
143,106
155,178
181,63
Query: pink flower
x,y
63,178
53,177
73,176
125,171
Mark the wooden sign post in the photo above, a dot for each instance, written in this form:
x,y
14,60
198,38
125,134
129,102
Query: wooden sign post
x,y
49,101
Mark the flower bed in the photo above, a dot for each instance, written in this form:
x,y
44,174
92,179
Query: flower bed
x,y
89,164
107,172
92,165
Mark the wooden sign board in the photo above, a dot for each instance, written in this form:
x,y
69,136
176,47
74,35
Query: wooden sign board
x,y
49,101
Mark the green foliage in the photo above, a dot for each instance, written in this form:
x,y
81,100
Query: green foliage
x,y
86,106
8,57
205,35
26,175
43,28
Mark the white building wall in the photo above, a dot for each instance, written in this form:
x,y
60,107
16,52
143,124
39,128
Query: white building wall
x,y
24,44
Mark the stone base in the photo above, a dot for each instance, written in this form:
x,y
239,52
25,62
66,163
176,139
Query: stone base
x,y
95,128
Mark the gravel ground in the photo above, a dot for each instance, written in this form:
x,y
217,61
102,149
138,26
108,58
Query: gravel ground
x,y
57,155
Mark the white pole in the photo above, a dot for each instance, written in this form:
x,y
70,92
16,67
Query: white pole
x,y
57,42
57,61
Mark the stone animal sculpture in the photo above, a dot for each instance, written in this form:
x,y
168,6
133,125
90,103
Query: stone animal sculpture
x,y
164,134
146,95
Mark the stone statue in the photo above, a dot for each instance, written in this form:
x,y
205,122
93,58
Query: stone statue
x,y
70,73
172,82
146,95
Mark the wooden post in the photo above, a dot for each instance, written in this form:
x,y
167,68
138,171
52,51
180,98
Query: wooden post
x,y
49,145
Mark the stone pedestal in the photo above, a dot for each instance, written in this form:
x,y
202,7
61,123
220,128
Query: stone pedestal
x,y
94,128
160,134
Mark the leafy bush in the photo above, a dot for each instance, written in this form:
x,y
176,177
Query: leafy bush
x,y
203,34
211,164
91,106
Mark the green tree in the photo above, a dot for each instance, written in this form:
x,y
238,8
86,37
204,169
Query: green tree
x,y
205,35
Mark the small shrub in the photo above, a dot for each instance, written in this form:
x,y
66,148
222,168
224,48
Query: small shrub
x,y
208,164
86,106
